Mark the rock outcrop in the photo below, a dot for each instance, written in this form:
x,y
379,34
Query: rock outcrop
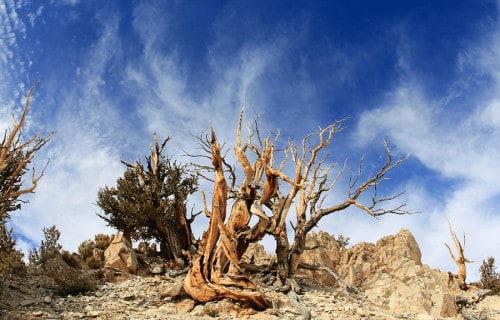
x,y
390,273
120,255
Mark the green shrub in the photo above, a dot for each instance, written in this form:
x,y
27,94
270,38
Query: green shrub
x,y
490,279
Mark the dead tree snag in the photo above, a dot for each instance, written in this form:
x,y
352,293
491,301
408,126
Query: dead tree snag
x,y
274,181
460,259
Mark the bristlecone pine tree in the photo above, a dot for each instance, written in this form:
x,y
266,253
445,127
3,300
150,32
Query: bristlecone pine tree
x,y
149,202
268,192
490,278
16,155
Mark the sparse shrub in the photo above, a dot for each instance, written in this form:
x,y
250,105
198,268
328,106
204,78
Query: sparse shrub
x,y
94,262
11,259
102,241
70,259
74,284
342,241
68,279
86,248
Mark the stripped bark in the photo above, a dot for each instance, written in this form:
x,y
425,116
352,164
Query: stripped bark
x,y
205,282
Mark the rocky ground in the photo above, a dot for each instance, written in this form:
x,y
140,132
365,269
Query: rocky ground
x,y
392,285
144,298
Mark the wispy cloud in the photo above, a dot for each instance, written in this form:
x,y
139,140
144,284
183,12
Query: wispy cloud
x,y
83,154
458,143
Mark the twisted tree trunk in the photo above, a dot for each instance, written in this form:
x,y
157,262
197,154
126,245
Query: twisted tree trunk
x,y
206,280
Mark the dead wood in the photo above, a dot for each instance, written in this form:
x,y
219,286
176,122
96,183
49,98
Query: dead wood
x,y
460,260
268,191
464,302
347,287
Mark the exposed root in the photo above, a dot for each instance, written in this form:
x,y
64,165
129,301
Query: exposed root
x,y
464,302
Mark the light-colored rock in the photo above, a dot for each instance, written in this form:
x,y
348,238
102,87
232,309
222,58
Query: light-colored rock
x,y
175,291
184,306
157,268
392,275
120,255
323,250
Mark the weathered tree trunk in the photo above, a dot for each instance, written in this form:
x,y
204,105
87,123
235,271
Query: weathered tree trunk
x,y
205,280
170,243
127,235
282,250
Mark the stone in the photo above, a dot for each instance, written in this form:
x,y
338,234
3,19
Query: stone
x,y
184,306
157,268
27,302
394,282
175,291
120,255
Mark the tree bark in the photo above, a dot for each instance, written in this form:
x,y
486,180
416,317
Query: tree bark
x,y
206,280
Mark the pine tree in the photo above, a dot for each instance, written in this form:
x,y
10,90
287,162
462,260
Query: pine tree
x,y
149,202
490,279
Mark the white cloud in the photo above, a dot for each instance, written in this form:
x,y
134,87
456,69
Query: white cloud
x,y
457,145
84,154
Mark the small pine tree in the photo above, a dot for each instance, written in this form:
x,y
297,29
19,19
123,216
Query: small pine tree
x,y
49,247
11,259
86,248
343,241
490,279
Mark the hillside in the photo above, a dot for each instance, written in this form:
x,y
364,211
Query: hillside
x,y
385,280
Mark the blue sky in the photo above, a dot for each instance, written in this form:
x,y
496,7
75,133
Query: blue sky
x,y
424,75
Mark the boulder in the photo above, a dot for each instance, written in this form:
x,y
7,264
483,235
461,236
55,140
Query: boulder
x,y
120,255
